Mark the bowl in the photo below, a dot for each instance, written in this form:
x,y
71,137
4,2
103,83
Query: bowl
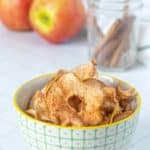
x,y
46,136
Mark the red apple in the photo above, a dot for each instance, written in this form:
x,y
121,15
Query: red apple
x,y
15,14
57,20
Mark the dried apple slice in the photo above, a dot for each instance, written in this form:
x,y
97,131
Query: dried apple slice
x,y
86,71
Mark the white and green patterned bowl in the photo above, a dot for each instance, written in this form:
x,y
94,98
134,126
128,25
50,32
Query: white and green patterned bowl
x,y
46,136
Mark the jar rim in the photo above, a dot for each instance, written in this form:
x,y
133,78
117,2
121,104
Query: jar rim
x,y
118,5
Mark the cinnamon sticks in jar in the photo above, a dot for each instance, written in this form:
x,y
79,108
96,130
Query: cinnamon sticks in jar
x,y
115,42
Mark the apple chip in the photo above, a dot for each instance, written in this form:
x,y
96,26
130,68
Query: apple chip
x,y
86,71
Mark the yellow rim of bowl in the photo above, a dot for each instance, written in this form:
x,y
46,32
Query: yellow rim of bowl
x,y
21,112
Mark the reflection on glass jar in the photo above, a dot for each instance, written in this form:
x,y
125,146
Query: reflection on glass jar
x,y
112,32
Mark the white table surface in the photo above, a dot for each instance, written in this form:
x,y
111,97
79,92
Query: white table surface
x,y
25,55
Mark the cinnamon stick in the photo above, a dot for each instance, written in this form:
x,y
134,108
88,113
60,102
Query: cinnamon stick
x,y
117,44
107,50
99,32
124,44
110,35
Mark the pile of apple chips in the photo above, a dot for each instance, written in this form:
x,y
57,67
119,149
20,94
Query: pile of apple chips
x,y
78,98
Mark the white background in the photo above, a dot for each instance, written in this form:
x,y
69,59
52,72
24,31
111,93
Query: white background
x,y
25,55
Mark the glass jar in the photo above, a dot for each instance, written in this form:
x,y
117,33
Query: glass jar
x,y
113,32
